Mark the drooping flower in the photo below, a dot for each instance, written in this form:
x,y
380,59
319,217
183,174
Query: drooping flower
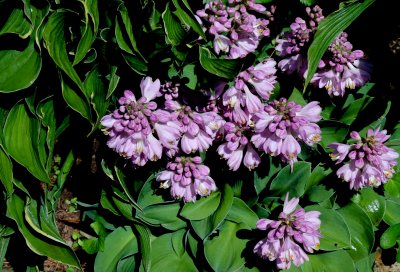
x,y
137,130
282,124
237,147
236,31
198,129
295,232
370,161
187,177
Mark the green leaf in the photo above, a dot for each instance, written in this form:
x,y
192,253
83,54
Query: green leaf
x,y
392,215
205,227
332,261
372,203
202,208
4,241
227,68
334,230
187,17
160,213
328,29
164,257
37,243
120,243
173,28
290,181
392,187
390,236
241,213
224,252
114,79
308,2
21,141
177,240
54,37
361,231
144,245
19,69
297,97
189,73
121,178
136,64
76,100
260,183
147,196
36,13
6,171
354,109
319,193
17,24
331,132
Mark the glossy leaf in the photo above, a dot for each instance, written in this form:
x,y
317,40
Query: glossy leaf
x,y
224,252
6,171
21,141
187,17
354,109
173,28
372,203
392,187
329,29
121,243
36,242
202,208
144,245
160,213
19,69
226,68
390,236
76,100
331,132
334,230
53,35
114,79
291,181
361,230
392,215
241,213
17,24
330,261
122,180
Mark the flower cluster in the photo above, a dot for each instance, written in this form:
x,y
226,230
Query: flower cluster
x,y
236,31
281,124
187,178
295,232
370,161
339,68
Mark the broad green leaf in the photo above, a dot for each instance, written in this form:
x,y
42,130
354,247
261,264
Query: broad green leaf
x,y
36,13
372,203
392,215
227,68
202,208
6,171
290,181
335,261
187,17
21,141
297,97
241,213
328,29
54,37
351,113
147,195
177,240
331,132
390,236
144,245
19,69
334,230
160,213
173,28
392,187
4,241
224,252
308,2
366,264
317,175
36,242
163,256
76,100
119,36
17,24
127,264
319,193
189,73
136,64
260,183
361,230
205,227
121,243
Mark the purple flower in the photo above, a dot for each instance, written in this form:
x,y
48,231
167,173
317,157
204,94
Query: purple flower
x,y
280,126
238,146
370,161
295,232
187,178
131,127
236,31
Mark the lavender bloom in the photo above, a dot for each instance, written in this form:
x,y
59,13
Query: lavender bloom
x,y
236,31
198,129
288,238
341,68
280,126
236,145
370,161
132,125
187,178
